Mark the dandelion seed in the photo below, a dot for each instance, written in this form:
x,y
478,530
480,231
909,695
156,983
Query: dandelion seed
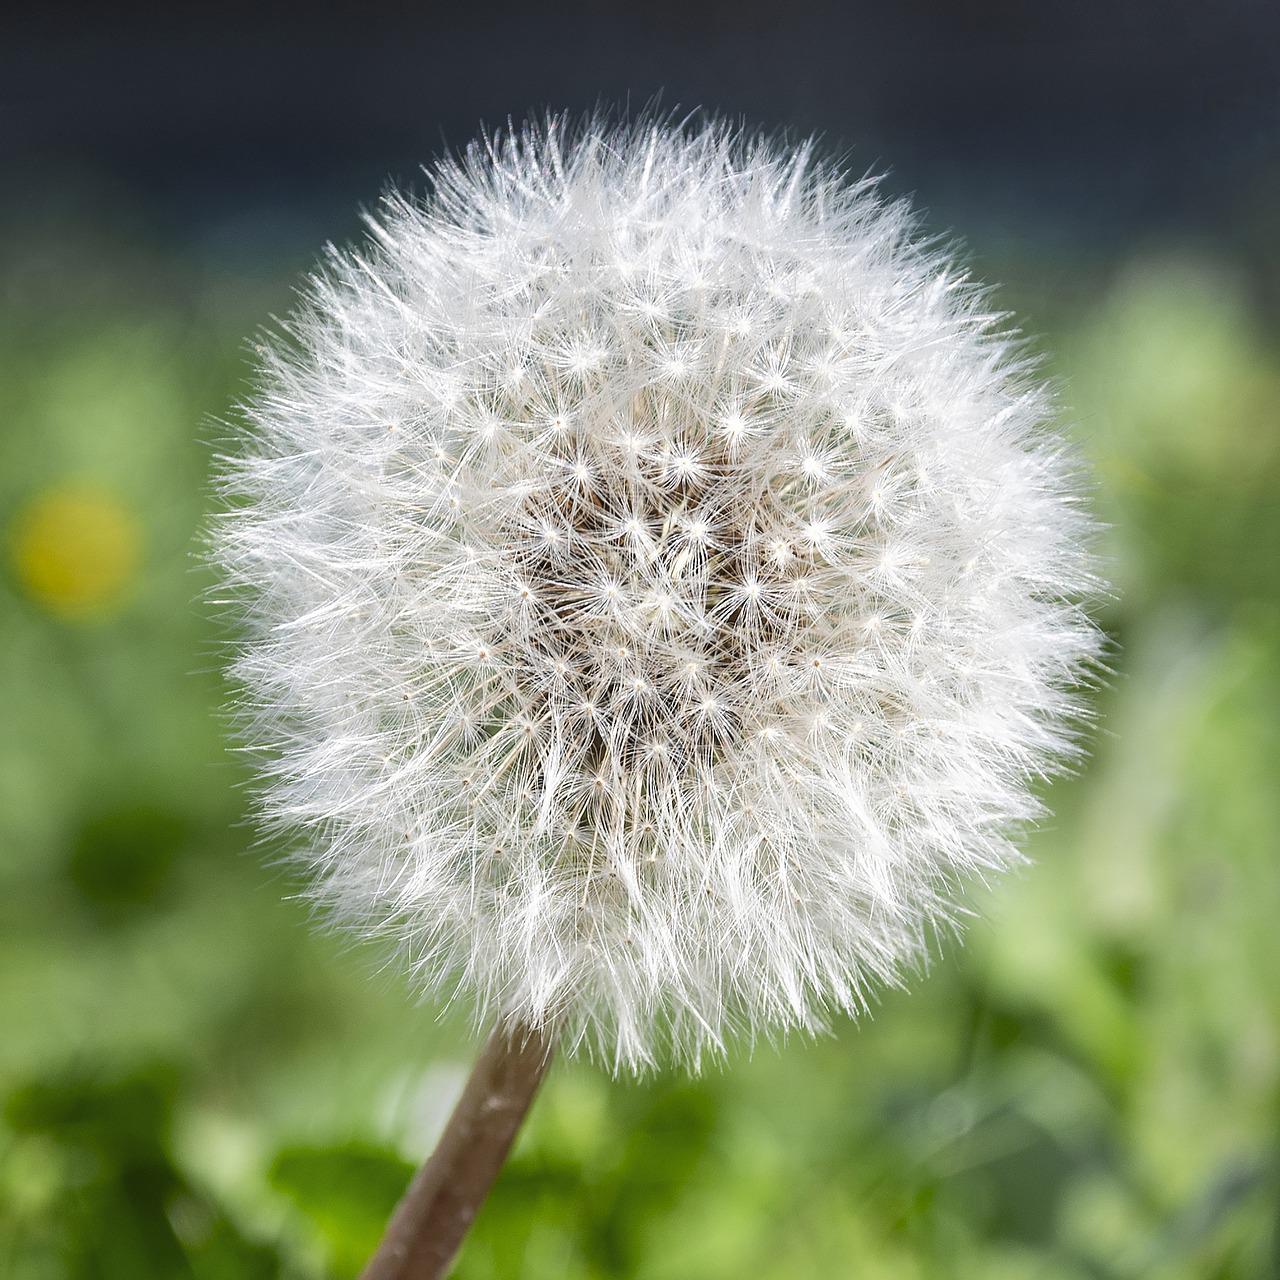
x,y
742,645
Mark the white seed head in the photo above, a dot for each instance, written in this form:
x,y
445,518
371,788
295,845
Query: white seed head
x,y
659,576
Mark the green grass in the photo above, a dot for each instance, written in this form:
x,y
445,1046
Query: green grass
x,y
195,1083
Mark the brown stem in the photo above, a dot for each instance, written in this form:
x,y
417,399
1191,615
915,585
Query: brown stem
x,y
446,1193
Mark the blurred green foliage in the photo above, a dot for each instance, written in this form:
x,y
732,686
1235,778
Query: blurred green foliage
x,y
197,1084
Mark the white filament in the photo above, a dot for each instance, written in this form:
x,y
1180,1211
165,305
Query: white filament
x,y
659,576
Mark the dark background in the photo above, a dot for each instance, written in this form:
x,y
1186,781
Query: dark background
x,y
1093,120
195,1083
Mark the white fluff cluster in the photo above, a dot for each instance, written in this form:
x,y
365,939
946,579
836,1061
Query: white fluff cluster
x,y
660,584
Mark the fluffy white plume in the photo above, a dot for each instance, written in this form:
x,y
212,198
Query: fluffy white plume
x,y
659,576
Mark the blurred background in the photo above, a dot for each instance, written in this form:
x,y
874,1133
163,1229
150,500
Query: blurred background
x,y
194,1083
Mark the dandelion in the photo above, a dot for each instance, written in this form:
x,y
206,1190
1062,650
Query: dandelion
x,y
661,583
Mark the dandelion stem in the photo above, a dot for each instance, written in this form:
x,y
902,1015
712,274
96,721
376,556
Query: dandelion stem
x,y
445,1195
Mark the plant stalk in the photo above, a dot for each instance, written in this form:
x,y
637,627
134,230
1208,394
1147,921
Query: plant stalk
x,y
445,1195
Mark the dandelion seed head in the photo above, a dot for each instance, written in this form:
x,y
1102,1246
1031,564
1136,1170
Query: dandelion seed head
x,y
693,637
